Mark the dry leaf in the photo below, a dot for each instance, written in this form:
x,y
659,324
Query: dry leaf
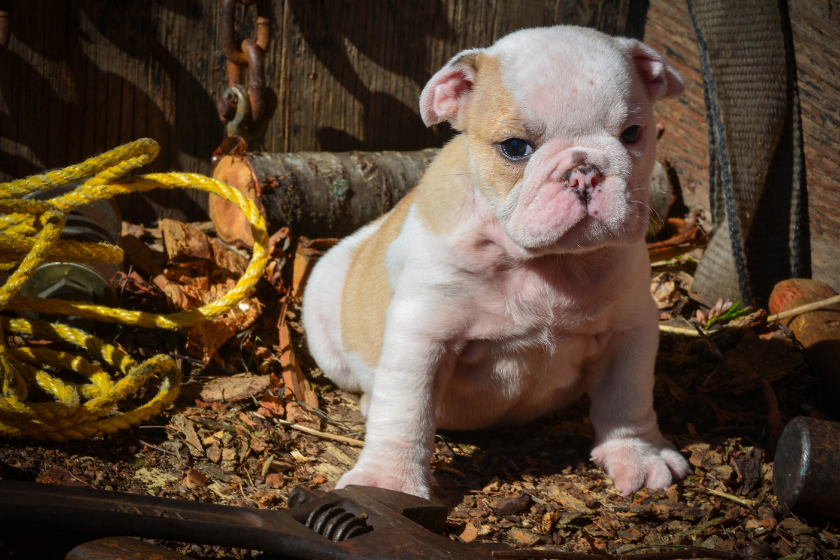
x,y
183,241
251,424
193,478
234,388
470,532
548,520
275,480
187,427
214,453
258,445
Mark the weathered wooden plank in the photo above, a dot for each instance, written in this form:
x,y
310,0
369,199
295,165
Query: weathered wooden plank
x,y
79,77
685,143
345,76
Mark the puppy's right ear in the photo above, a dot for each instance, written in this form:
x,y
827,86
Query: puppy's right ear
x,y
446,96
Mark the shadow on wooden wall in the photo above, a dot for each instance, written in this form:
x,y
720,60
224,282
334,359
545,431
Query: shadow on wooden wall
x,y
82,76
79,78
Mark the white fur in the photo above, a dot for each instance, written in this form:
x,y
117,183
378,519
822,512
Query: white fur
x,y
519,310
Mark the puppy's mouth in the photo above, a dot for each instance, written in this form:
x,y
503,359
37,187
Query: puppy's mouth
x,y
567,216
587,232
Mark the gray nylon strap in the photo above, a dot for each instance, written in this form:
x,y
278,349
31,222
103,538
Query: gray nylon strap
x,y
756,169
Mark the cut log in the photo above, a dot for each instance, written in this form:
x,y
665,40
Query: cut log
x,y
315,194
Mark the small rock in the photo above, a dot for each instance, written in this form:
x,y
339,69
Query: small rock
x,y
523,537
275,480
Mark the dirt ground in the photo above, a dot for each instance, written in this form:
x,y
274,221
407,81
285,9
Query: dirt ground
x,y
527,486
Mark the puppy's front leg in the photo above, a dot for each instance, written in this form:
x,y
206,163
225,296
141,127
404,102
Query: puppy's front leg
x,y
628,443
399,439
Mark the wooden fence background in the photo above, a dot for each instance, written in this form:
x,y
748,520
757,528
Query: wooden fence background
x,y
82,76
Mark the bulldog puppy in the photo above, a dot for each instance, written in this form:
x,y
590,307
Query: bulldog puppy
x,y
515,276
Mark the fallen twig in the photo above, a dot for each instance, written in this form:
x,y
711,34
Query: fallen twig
x,y
700,528
741,501
215,425
161,449
714,349
325,435
678,330
804,309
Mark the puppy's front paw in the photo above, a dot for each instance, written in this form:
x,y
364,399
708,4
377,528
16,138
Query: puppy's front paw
x,y
639,462
409,479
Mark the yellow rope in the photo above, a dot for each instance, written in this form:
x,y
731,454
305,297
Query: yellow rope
x,y
29,236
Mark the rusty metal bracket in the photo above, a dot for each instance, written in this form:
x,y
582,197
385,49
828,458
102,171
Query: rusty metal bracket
x,y
238,108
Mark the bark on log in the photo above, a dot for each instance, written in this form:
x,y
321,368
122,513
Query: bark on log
x,y
315,194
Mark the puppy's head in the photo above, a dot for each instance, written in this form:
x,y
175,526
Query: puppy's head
x,y
560,129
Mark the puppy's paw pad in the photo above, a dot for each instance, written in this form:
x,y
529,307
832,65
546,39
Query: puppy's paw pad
x,y
635,462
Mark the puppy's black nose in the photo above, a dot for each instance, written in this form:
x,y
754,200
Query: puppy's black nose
x,y
583,179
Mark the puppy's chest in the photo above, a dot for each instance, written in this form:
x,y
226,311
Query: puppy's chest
x,y
536,306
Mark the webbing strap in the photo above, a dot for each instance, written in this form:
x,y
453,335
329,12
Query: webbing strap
x,y
756,169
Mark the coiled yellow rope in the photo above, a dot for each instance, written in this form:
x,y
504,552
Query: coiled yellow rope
x,y
29,236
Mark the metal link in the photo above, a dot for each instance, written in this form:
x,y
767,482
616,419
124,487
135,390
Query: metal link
x,y
248,53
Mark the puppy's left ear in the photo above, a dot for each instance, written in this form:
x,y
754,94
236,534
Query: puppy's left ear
x,y
448,93
660,78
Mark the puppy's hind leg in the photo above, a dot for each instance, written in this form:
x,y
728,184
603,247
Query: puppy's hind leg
x,y
322,301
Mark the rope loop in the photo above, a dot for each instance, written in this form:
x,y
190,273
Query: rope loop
x,y
30,236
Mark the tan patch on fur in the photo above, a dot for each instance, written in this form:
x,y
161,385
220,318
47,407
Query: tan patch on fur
x,y
494,117
441,199
366,292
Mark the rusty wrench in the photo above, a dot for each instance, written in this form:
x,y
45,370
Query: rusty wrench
x,y
352,523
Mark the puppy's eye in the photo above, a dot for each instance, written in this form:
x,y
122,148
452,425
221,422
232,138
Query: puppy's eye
x,y
631,134
516,148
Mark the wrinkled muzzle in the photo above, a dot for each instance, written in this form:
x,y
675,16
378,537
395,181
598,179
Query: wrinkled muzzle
x,y
576,198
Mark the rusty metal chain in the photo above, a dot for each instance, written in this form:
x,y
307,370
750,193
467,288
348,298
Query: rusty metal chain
x,y
240,108
5,28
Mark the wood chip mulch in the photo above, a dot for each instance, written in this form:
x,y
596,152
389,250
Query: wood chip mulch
x,y
227,439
